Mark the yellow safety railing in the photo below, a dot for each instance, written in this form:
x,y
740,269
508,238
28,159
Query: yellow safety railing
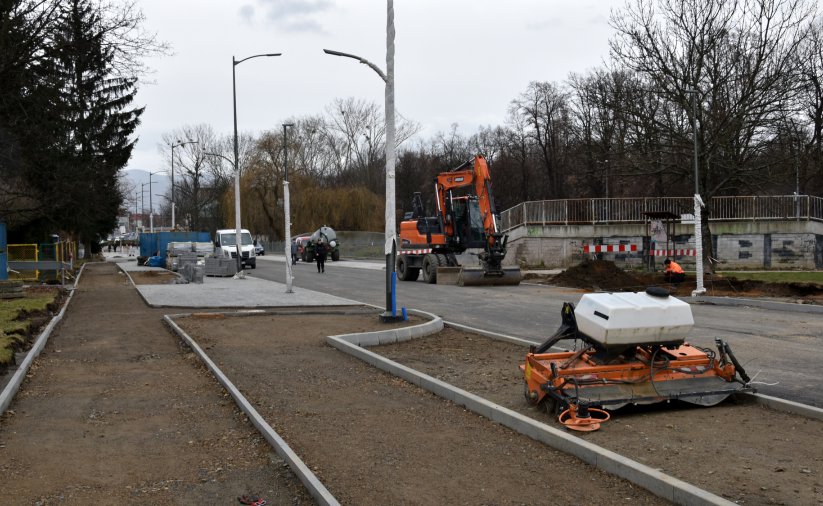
x,y
23,253
63,252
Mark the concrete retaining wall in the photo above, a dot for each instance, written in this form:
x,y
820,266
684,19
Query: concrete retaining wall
x,y
737,245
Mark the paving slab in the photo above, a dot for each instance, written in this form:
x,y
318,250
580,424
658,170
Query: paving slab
x,y
227,292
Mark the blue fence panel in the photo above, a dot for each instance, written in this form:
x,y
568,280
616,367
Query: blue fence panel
x,y
152,244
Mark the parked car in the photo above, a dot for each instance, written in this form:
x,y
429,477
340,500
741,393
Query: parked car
x,y
258,248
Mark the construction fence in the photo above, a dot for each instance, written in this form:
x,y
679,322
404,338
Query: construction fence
x,y
41,262
634,210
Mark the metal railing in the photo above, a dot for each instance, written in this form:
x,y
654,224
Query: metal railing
x,y
38,262
631,210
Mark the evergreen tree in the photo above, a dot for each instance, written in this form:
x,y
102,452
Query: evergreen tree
x,y
98,124
25,104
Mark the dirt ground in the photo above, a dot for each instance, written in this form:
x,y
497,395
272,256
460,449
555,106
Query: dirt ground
x,y
738,450
375,439
116,408
153,277
116,411
603,275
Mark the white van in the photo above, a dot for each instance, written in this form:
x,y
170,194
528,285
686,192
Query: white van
x,y
225,246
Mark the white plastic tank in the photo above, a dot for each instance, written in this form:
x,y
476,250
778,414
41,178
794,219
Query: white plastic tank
x,y
626,318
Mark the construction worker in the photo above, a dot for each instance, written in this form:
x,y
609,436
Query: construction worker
x,y
673,273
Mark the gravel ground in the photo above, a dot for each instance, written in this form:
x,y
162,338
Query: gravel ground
x,y
116,411
739,450
375,439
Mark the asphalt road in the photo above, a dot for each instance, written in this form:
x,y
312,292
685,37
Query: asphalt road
x,y
783,349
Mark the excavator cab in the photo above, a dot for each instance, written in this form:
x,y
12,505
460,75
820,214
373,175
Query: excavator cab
x,y
467,220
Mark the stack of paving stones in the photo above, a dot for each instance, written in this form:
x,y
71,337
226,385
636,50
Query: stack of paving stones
x,y
11,290
221,266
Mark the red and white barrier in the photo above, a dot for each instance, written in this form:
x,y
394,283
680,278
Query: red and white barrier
x,y
609,248
423,251
674,252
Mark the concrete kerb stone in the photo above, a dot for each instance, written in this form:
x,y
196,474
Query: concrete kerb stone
x,y
131,280
657,482
313,484
13,385
388,336
792,407
493,335
764,304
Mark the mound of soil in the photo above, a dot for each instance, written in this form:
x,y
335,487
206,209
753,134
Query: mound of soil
x,y
603,275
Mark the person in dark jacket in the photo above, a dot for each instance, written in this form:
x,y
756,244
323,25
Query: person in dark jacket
x,y
293,252
320,251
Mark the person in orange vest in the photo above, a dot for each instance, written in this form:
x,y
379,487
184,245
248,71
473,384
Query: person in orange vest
x,y
673,273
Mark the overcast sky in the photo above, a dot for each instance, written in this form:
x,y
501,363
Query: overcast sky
x,y
456,61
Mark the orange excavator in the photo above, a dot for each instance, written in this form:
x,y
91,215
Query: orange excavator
x,y
629,348
465,220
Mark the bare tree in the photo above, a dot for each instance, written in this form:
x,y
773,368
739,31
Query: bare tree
x,y
124,33
811,106
738,59
544,107
200,178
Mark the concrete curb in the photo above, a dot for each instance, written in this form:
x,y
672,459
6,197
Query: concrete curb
x,y
390,336
313,484
658,483
133,284
17,379
764,304
493,335
792,407
315,487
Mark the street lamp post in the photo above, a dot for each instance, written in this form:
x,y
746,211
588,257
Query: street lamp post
x,y
390,247
142,203
174,202
151,207
286,207
235,63
698,205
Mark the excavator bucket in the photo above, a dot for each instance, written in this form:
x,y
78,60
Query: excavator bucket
x,y
448,275
478,277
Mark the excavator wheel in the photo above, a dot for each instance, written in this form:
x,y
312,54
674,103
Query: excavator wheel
x,y
404,272
430,265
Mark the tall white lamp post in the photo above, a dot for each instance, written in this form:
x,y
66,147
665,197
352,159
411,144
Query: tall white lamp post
x,y
235,63
174,202
390,247
286,207
698,206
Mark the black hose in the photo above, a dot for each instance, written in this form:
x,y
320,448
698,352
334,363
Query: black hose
x,y
737,366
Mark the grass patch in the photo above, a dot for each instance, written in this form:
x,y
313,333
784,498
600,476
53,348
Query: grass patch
x,y
778,276
11,328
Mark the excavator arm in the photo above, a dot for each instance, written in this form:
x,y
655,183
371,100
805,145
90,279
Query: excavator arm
x,y
465,220
474,173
